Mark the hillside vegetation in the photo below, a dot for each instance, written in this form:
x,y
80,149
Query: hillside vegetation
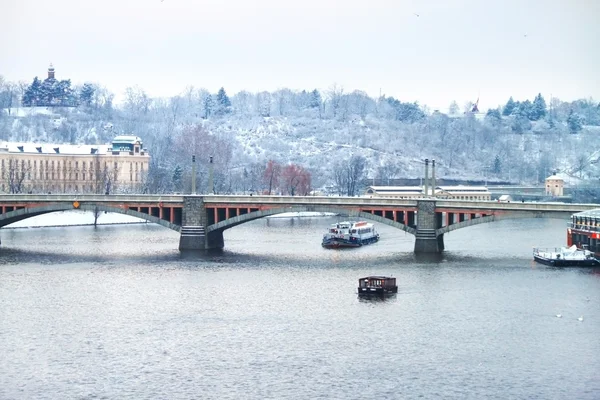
x,y
336,139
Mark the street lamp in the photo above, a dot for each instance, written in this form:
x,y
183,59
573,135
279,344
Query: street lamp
x,y
211,186
193,174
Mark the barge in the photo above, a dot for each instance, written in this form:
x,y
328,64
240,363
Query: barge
x,y
377,286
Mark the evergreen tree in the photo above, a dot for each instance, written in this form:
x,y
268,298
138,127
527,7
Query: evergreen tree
x,y
86,94
550,120
209,106
32,93
177,178
524,109
497,168
406,112
538,108
493,116
509,107
223,102
315,99
574,122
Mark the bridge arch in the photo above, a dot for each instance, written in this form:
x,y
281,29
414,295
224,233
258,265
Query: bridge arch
x,y
499,217
24,213
234,221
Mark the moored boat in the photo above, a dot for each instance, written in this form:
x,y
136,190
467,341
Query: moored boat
x,y
584,231
377,285
565,257
349,234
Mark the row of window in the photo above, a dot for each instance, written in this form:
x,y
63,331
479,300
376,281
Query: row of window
x,y
476,197
83,165
49,172
64,188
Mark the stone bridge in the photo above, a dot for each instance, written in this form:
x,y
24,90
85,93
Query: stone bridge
x,y
201,219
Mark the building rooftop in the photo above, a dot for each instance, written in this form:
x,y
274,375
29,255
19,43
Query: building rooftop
x,y
66,149
47,148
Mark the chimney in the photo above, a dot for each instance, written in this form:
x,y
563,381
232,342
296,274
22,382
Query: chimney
x,y
426,176
20,148
433,178
39,149
57,150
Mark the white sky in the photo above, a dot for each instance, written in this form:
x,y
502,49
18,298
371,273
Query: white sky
x,y
454,50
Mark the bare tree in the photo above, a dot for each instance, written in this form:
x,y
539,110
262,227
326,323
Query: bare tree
x,y
17,172
335,94
340,177
581,164
348,174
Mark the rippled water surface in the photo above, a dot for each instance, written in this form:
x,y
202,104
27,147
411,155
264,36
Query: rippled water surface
x,y
117,312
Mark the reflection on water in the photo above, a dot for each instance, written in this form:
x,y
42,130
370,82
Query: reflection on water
x,y
119,312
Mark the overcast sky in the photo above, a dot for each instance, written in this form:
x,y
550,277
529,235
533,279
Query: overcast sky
x,y
427,51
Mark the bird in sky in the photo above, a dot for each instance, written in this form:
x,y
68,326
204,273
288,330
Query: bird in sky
x,y
416,14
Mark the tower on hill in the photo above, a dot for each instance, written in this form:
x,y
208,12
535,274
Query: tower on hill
x,y
51,71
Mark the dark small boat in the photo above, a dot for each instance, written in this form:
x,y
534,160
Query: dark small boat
x,y
377,286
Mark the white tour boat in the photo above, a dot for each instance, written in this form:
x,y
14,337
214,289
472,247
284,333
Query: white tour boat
x,y
349,234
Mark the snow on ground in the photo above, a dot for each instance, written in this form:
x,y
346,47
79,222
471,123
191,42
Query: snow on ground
x,y
75,217
78,217
301,214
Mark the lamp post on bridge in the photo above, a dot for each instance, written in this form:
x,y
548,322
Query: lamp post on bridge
x,y
211,186
193,174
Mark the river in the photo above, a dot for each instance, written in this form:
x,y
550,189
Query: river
x,y
116,312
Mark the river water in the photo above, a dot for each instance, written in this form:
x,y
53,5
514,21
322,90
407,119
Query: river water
x,y
116,312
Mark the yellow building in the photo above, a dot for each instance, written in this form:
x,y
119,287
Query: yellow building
x,y
555,186
119,167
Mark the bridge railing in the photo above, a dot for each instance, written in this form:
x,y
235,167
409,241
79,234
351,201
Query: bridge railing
x,y
33,198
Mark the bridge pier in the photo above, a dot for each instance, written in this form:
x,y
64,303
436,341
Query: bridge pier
x,y
193,235
427,241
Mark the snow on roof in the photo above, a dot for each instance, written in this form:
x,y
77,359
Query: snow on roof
x,y
389,189
463,188
47,148
26,111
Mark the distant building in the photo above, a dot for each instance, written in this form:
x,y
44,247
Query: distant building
x,y
398,192
120,167
459,192
463,192
555,186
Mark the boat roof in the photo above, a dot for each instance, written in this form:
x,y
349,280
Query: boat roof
x,y
595,213
377,277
